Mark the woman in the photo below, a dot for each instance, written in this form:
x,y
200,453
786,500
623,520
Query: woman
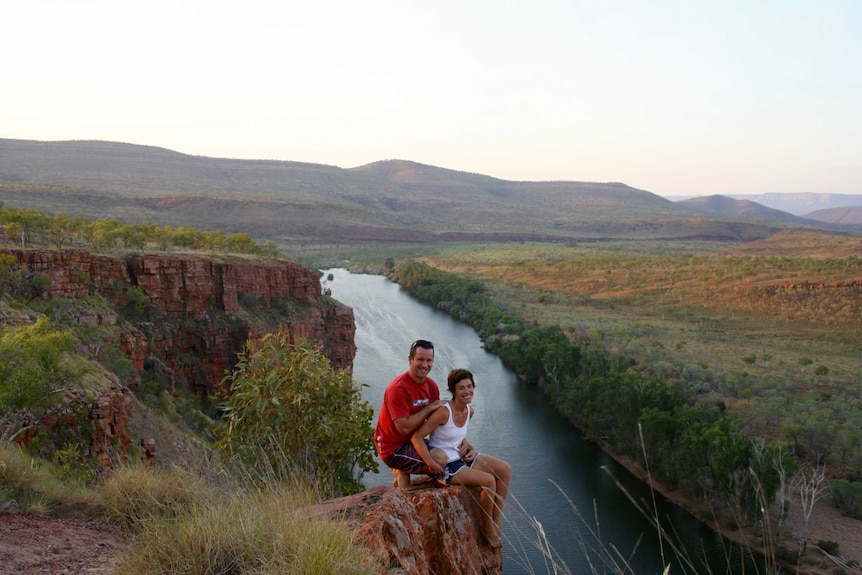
x,y
447,431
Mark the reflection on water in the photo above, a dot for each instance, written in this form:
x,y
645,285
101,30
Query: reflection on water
x,y
559,481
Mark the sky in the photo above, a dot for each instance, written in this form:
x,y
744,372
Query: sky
x,y
675,97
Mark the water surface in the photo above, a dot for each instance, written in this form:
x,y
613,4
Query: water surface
x,y
559,481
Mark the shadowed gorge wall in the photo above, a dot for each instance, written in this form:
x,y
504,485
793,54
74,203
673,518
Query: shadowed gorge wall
x,y
199,312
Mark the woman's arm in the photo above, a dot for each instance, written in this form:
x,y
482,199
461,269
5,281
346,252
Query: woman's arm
x,y
436,419
465,449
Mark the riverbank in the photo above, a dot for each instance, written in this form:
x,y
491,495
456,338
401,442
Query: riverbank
x,y
826,523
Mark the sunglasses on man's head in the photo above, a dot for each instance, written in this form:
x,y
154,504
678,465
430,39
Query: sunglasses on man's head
x,y
423,343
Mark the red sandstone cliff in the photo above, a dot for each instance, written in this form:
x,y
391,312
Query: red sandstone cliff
x,y
420,530
200,311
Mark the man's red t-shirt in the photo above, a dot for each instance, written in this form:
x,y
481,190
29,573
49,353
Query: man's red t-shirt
x,y
403,397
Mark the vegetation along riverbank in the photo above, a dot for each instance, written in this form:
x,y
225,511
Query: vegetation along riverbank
x,y
729,376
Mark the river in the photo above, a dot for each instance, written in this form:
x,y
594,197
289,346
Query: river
x,y
561,482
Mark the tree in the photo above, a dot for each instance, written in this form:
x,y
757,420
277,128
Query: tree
x,y
812,485
288,408
34,365
764,496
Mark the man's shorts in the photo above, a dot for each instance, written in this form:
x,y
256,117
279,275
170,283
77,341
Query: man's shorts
x,y
406,458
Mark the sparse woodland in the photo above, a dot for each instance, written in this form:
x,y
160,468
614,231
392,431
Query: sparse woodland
x,y
734,377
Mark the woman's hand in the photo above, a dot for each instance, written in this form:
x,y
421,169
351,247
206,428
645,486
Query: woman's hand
x,y
467,451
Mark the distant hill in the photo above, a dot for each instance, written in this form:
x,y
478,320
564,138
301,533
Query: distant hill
x,y
850,216
799,204
389,201
726,207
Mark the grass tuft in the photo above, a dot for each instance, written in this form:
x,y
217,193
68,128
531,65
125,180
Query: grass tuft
x,y
186,527
34,485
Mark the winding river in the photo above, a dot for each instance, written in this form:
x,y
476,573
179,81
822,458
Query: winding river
x,y
567,497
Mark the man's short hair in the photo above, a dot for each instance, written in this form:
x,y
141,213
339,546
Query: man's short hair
x,y
423,343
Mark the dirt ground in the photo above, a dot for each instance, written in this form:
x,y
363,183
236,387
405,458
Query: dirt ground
x,y
31,544
827,524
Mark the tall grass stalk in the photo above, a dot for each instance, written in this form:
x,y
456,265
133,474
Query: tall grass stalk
x,y
603,557
594,550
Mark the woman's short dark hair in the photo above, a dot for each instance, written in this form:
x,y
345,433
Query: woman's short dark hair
x,y
457,375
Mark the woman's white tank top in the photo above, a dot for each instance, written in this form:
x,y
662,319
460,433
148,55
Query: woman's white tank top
x,y
449,436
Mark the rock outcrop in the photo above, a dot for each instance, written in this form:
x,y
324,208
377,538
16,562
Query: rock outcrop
x,y
100,415
199,312
425,529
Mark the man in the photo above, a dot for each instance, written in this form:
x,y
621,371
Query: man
x,y
407,402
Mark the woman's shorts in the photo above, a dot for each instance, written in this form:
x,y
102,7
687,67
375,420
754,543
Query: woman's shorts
x,y
454,467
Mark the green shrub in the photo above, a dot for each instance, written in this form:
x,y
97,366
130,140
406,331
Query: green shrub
x,y
135,307
34,364
286,401
72,464
847,497
117,362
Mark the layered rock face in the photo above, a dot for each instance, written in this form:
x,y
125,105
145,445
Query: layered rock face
x,y
199,313
194,306
421,530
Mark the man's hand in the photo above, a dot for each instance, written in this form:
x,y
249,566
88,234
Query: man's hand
x,y
408,425
432,407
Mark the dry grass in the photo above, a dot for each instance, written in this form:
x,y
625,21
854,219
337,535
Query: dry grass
x,y
34,485
185,526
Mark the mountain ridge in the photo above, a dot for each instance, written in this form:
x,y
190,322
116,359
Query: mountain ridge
x,y
392,201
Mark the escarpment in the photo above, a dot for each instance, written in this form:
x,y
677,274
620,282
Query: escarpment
x,y
198,312
184,318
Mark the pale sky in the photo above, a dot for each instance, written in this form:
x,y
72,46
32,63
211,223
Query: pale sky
x,y
677,97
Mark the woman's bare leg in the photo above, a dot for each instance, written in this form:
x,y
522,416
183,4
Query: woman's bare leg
x,y
502,472
487,500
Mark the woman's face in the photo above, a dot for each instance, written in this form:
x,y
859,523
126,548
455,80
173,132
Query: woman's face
x,y
464,391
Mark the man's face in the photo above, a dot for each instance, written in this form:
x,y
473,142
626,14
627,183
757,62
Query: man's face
x,y
420,363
